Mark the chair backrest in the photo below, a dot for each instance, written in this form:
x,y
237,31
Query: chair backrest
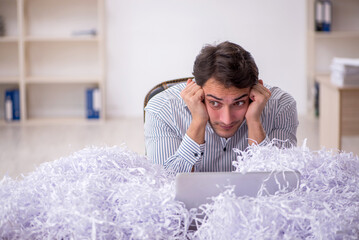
x,y
159,88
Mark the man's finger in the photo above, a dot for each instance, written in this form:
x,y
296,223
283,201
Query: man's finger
x,y
199,94
190,90
262,90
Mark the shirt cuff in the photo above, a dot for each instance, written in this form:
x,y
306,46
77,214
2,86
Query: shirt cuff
x,y
191,151
265,141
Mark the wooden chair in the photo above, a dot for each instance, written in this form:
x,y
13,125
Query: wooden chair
x,y
159,88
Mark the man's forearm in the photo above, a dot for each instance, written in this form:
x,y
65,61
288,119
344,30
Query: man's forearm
x,y
256,133
196,131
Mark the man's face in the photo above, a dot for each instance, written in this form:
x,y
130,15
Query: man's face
x,y
226,107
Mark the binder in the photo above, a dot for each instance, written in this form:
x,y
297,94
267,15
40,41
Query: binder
x,y
16,104
93,103
12,105
323,15
327,14
8,106
2,26
319,18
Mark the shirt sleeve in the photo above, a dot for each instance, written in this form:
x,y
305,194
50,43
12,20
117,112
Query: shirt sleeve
x,y
167,147
285,124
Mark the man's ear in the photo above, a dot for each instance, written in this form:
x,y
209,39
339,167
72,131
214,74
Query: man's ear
x,y
260,81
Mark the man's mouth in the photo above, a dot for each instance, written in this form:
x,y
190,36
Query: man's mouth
x,y
227,127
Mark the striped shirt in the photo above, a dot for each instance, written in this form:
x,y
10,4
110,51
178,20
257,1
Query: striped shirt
x,y
168,118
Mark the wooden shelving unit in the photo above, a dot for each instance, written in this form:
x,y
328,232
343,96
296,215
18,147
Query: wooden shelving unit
x,y
322,47
341,41
339,109
52,51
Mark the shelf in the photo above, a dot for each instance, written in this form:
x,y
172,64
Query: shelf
x,y
325,79
63,60
62,39
9,60
61,121
57,100
336,34
53,121
52,51
60,80
9,39
8,12
9,123
61,18
9,79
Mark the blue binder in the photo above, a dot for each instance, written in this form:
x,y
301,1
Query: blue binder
x,y
93,103
327,21
12,105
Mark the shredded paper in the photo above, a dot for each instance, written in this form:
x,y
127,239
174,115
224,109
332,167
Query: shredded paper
x,y
113,193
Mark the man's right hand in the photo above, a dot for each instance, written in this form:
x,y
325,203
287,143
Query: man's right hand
x,y
193,96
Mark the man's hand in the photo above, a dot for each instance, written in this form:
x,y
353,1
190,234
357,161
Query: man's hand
x,y
193,96
259,96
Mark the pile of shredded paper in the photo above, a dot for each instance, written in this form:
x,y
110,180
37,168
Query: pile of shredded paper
x,y
113,193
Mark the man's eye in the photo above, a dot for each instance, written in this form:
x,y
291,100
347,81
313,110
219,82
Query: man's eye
x,y
240,103
214,103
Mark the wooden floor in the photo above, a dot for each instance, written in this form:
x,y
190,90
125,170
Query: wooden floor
x,y
22,148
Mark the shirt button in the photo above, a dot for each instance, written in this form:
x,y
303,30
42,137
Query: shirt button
x,y
196,154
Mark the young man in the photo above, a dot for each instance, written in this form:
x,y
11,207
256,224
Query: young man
x,y
195,125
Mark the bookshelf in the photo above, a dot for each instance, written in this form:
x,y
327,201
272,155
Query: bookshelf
x,y
322,47
52,51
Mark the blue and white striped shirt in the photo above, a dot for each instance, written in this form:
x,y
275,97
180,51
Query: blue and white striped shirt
x,y
168,118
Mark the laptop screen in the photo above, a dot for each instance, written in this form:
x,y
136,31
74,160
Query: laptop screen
x,y
194,189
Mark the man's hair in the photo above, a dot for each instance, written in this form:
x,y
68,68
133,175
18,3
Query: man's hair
x,y
228,63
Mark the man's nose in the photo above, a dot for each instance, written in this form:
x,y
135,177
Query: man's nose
x,y
226,116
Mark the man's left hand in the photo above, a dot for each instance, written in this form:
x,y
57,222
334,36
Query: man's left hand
x,y
259,95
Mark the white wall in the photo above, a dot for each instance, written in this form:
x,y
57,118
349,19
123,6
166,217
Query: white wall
x,y
149,41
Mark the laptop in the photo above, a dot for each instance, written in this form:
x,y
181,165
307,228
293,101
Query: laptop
x,y
196,188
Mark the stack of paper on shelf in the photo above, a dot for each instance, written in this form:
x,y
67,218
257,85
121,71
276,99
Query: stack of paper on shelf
x,y
345,71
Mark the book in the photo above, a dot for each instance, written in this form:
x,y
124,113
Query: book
x,y
93,103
